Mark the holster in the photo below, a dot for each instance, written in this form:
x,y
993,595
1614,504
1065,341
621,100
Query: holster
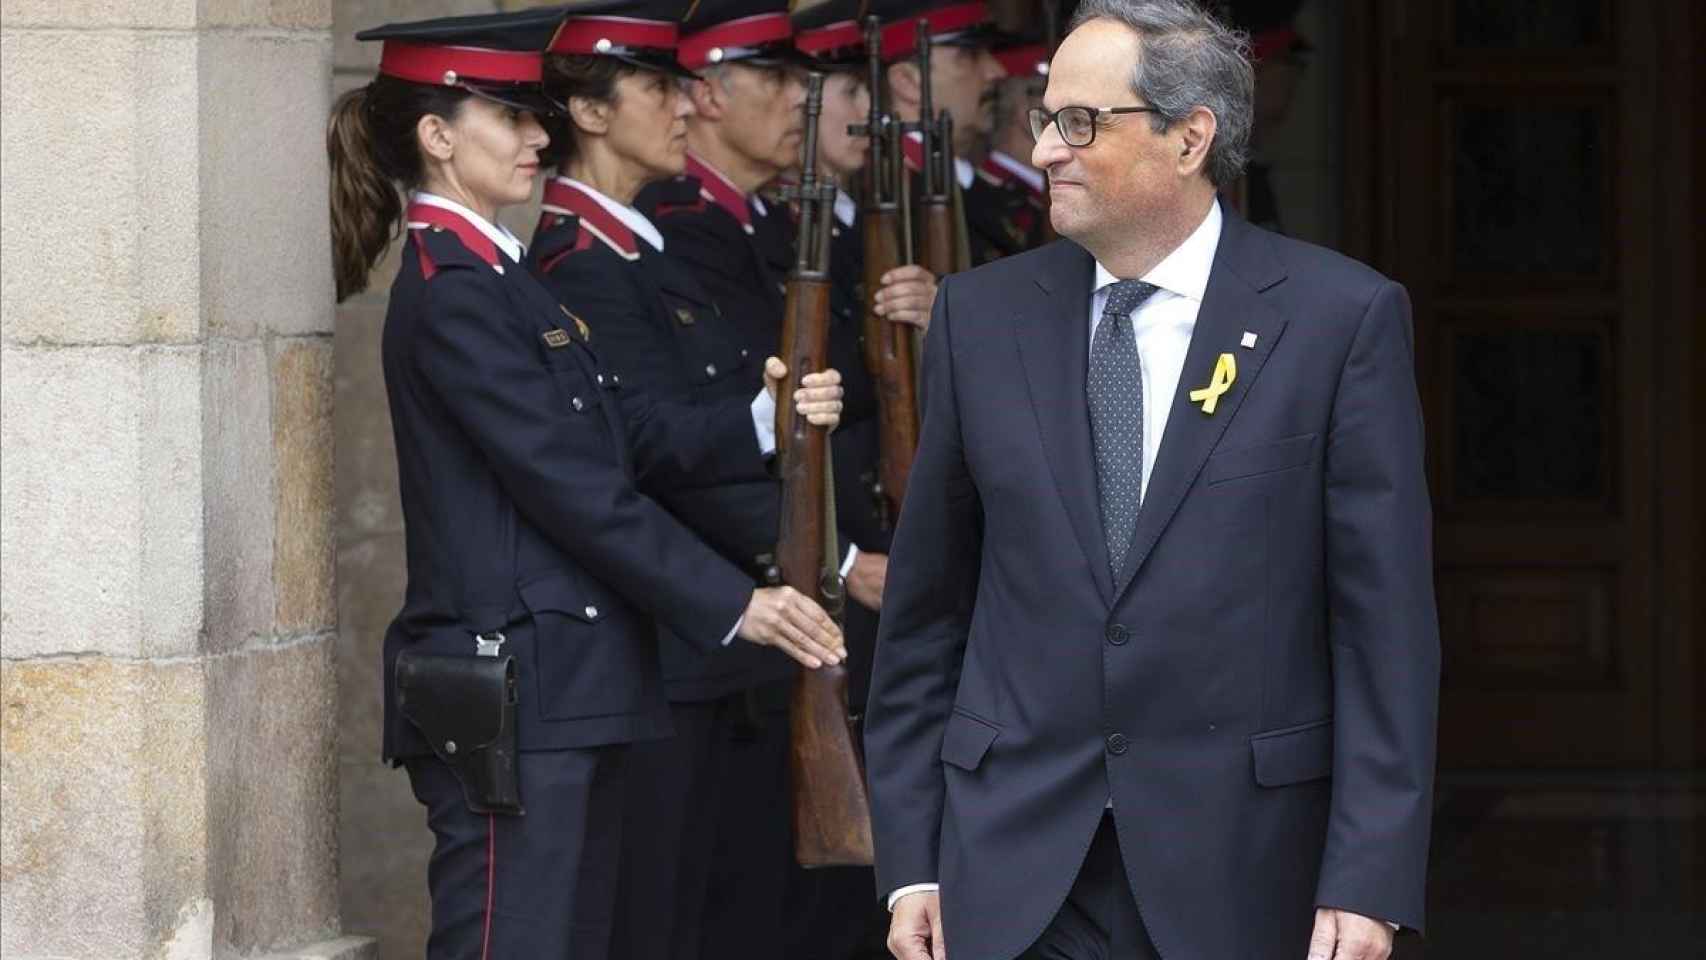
x,y
465,707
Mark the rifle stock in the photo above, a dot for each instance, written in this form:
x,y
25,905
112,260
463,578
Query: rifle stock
x,y
831,810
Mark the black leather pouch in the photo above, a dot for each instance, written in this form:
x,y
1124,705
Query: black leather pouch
x,y
465,707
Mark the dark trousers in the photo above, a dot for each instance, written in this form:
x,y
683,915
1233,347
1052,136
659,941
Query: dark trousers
x,y
534,887
704,863
1099,920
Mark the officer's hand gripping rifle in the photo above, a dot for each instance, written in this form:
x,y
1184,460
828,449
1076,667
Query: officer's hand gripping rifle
x,y
832,818
888,346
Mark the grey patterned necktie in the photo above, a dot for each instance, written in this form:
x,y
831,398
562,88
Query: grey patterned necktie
x,y
1115,389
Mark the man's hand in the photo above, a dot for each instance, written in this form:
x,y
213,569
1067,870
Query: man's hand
x,y
906,296
865,580
915,928
819,396
790,621
1342,935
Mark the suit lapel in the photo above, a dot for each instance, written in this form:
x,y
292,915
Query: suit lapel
x,y
1053,335
1244,265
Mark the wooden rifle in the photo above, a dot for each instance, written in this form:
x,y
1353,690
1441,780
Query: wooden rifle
x,y
832,813
889,353
936,247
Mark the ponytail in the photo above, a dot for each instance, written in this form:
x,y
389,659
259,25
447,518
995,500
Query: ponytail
x,y
371,149
365,202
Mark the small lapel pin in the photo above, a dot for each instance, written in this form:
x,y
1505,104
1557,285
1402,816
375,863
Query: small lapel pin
x,y
1225,371
1249,341
684,316
580,325
556,338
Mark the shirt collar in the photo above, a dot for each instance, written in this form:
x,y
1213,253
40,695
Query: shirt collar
x,y
1031,176
1184,272
632,219
845,208
495,232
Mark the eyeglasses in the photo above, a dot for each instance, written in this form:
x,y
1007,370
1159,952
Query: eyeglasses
x,y
1077,125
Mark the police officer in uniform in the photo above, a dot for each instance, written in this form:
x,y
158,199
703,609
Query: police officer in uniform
x,y
1007,203
529,542
963,75
710,864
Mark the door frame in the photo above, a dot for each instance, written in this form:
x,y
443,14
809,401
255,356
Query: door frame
x,y
1376,47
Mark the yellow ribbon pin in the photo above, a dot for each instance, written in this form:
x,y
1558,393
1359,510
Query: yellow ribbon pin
x,y
1225,371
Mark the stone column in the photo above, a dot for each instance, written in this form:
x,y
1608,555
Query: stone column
x,y
168,676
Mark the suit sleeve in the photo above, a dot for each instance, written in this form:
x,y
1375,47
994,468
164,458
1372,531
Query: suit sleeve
x,y
561,468
1382,626
932,578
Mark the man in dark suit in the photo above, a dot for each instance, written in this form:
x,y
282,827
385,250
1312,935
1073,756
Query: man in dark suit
x,y
1158,666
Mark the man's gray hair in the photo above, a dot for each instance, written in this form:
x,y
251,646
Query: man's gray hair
x,y
1189,59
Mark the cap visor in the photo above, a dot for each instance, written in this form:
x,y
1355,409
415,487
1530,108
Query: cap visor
x,y
529,98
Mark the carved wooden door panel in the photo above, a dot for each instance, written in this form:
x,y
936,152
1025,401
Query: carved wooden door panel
x,y
1515,139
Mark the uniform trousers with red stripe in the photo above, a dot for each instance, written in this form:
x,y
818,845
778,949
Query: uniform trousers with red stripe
x,y
540,886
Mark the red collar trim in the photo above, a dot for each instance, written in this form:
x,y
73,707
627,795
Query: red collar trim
x,y
438,218
566,198
438,64
715,187
912,150
596,35
704,48
900,38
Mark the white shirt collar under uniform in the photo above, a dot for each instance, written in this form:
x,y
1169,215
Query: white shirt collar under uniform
x,y
632,219
845,209
1031,176
1184,272
495,232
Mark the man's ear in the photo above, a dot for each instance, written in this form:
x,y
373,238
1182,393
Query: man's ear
x,y
707,96
435,136
1196,134
904,84
592,116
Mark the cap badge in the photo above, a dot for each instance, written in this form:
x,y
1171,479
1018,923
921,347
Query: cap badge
x,y
450,78
603,45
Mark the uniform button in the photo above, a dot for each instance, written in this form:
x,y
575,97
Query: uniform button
x,y
745,352
592,613
1118,634
1118,743
710,369
601,378
577,404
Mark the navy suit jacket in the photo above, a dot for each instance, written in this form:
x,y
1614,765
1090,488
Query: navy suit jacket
x,y
1258,699
520,464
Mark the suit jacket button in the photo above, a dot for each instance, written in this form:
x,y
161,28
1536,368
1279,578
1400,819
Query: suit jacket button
x,y
1118,634
1118,744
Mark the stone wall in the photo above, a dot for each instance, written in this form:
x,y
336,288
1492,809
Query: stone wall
x,y
168,678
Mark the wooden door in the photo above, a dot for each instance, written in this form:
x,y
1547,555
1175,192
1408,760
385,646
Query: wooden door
x,y
1510,145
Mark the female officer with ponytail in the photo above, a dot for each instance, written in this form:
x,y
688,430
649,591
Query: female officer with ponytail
x,y
521,465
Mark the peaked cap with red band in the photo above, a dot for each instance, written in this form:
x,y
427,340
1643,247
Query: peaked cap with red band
x,y
1270,24
954,22
830,32
732,31
641,32
496,56
1023,60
